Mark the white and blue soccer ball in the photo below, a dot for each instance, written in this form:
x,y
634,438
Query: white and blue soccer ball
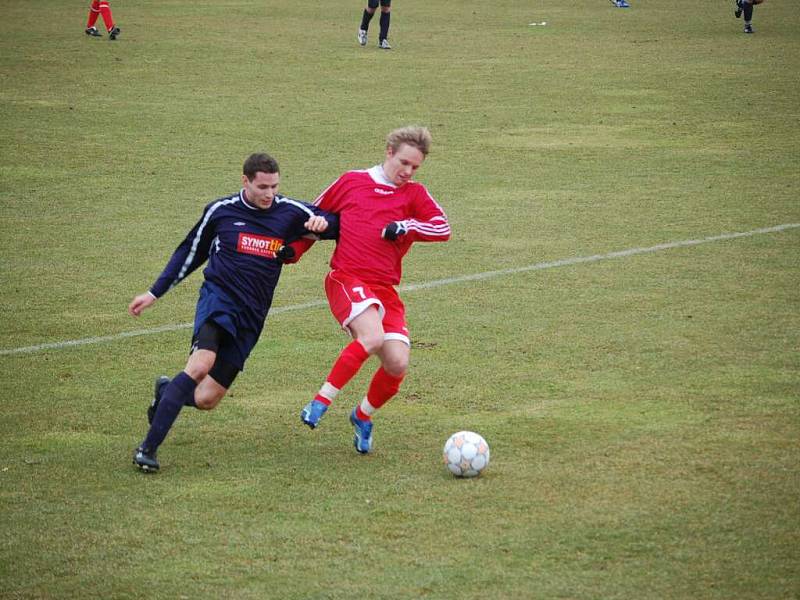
x,y
466,454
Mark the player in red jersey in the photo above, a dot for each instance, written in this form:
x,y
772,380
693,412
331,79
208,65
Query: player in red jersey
x,y
381,213
101,8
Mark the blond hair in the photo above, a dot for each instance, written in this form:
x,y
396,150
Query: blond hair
x,y
414,135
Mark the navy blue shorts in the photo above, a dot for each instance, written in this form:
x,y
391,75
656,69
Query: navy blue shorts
x,y
214,305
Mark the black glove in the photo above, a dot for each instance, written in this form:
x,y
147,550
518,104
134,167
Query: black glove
x,y
394,230
285,253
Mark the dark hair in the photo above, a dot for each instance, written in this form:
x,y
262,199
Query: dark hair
x,y
259,162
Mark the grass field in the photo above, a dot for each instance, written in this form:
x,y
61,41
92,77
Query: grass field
x,y
632,360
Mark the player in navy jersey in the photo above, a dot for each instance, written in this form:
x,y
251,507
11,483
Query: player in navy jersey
x,y
244,237
746,7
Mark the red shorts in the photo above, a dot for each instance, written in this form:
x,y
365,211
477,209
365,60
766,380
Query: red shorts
x,y
348,297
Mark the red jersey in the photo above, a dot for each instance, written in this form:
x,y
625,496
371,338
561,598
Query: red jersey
x,y
366,201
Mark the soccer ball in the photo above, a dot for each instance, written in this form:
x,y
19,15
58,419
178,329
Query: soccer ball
x,y
466,454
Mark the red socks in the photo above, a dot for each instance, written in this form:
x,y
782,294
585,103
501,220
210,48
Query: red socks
x,y
105,12
100,8
382,387
344,369
94,12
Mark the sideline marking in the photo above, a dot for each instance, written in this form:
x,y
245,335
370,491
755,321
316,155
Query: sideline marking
x,y
431,284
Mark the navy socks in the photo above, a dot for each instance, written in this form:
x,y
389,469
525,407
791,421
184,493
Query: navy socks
x,y
179,392
385,16
365,19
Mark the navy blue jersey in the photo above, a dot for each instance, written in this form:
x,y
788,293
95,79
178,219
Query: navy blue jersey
x,y
239,241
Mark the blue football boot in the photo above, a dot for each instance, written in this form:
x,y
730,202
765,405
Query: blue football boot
x,y
363,439
312,413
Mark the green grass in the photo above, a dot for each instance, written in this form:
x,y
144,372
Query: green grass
x,y
642,410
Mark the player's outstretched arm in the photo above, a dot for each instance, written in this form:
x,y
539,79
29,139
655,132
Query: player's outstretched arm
x,y
436,229
140,302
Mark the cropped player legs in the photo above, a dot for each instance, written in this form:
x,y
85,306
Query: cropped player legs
x,y
101,8
366,17
94,13
375,317
367,331
748,14
105,12
386,15
191,387
394,356
202,384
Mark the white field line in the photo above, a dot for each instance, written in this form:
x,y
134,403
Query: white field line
x,y
565,262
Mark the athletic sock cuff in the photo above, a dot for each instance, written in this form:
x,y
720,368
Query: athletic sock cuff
x,y
185,383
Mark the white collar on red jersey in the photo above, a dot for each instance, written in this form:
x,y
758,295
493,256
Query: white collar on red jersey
x,y
379,176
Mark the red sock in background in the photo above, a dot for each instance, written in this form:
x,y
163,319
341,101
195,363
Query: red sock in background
x,y
94,12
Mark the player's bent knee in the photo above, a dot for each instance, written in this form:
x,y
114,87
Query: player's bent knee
x,y
207,403
206,399
208,394
395,359
199,364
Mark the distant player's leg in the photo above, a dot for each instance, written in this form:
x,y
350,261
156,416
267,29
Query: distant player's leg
x,y
94,13
366,17
747,8
386,15
108,19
